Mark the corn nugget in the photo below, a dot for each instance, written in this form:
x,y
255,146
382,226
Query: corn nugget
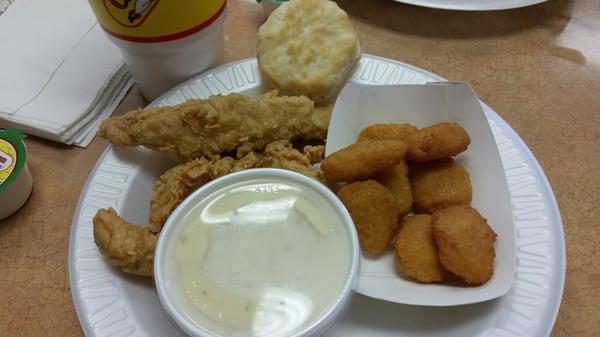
x,y
374,212
416,251
439,184
363,160
465,243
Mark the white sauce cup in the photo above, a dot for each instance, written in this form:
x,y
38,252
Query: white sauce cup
x,y
326,319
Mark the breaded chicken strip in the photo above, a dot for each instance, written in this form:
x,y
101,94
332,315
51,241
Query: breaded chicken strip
x,y
125,245
178,182
209,127
315,154
280,154
131,247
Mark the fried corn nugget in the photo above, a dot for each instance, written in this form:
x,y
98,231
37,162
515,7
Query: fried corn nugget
x,y
363,160
416,251
439,184
465,243
387,132
395,179
437,141
125,245
374,212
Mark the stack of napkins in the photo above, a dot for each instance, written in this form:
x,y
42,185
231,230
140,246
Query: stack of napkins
x,y
60,76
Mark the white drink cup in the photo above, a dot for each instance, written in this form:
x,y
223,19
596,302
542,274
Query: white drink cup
x,y
163,42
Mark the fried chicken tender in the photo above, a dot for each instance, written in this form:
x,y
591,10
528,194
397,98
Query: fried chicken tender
x,y
131,247
374,212
280,154
437,141
396,180
465,243
363,160
439,184
387,132
125,245
178,182
209,127
315,154
416,251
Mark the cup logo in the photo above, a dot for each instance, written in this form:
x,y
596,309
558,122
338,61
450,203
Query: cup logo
x,y
8,155
130,13
5,161
149,21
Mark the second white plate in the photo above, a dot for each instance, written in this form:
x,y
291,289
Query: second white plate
x,y
112,303
472,5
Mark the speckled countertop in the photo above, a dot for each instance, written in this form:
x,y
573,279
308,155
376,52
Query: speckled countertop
x,y
538,67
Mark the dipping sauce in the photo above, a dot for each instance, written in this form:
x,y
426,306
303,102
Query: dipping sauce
x,y
258,258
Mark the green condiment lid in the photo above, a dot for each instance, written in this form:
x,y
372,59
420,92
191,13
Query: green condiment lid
x,y
13,157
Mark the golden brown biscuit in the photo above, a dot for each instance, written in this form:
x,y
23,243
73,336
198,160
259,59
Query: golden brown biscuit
x,y
387,132
363,160
373,210
439,184
395,179
465,243
437,141
416,251
309,48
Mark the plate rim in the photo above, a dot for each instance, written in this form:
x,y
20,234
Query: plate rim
x,y
531,159
545,184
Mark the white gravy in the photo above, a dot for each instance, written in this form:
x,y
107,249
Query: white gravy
x,y
258,258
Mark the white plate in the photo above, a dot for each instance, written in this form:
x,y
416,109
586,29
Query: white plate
x,y
111,303
359,106
472,5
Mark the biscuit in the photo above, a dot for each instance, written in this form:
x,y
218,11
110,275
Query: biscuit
x,y
416,251
439,184
374,213
465,243
308,48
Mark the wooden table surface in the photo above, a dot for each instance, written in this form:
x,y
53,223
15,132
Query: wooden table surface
x,y
538,67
